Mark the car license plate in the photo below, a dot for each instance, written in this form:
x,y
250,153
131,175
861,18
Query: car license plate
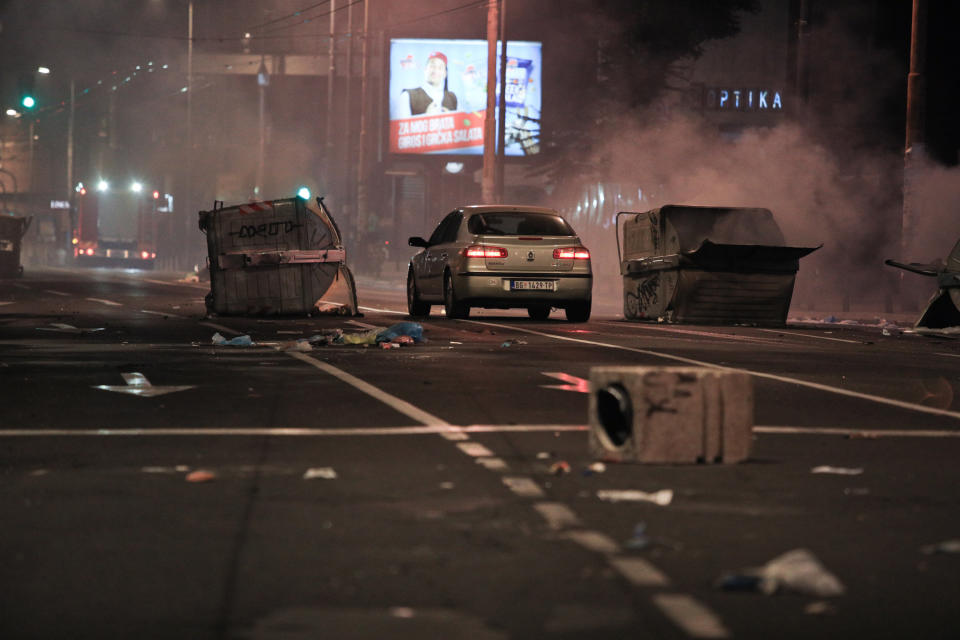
x,y
533,285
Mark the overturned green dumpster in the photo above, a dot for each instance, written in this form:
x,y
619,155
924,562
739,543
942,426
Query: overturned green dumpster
x,y
277,257
706,265
942,315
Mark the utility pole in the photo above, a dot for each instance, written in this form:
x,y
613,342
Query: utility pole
x,y
70,119
487,187
188,200
916,113
328,163
502,121
362,150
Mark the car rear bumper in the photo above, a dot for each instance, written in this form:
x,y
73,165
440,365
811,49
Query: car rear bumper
x,y
493,289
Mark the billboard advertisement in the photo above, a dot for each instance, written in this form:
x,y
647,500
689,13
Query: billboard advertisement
x,y
438,96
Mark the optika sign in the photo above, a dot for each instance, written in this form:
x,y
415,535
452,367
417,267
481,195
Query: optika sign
x,y
743,99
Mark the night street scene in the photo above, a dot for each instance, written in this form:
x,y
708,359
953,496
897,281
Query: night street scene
x,y
479,319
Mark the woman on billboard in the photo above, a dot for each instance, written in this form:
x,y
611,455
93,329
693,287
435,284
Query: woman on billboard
x,y
432,96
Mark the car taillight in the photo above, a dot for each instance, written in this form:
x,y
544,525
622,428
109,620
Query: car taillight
x,y
571,253
89,252
145,255
480,251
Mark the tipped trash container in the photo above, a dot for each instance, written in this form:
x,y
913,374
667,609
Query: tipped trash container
x,y
12,230
943,311
277,257
706,265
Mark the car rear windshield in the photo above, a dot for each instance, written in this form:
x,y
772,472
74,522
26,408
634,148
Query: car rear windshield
x,y
517,223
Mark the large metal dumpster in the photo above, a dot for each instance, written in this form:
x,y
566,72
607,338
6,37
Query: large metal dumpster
x,y
707,265
12,230
276,257
942,314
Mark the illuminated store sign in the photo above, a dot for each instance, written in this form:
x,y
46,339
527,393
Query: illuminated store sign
x,y
727,99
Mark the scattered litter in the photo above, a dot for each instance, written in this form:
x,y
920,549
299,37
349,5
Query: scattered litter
x,y
639,539
662,497
544,455
840,471
819,608
180,468
947,546
239,341
455,342
401,612
39,472
797,570
560,467
200,475
327,473
446,485
363,337
389,345
295,345
856,491
190,277
509,343
831,319
596,467
412,330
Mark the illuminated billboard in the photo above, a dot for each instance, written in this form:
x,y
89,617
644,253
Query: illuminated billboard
x,y
438,96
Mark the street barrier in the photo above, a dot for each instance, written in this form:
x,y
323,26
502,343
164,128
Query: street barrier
x,y
942,314
277,257
707,265
670,415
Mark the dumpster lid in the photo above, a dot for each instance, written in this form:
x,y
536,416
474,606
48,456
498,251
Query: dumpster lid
x,y
722,225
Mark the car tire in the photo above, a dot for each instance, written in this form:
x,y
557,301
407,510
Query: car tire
x,y
578,311
416,307
538,312
453,307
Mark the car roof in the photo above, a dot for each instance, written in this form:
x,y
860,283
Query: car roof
x,y
502,208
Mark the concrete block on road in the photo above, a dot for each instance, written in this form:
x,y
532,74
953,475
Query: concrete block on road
x,y
672,415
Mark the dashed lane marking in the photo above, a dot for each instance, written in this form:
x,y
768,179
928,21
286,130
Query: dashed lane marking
x,y
6,302
493,463
593,541
110,303
949,355
56,293
639,572
900,404
694,618
558,515
523,487
859,433
475,449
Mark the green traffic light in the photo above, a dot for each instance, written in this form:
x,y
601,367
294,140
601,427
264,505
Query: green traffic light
x,y
28,102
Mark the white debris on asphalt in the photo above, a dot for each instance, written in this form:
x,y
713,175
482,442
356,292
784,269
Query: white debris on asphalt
x,y
662,497
326,473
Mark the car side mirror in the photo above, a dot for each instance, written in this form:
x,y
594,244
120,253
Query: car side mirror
x,y
417,241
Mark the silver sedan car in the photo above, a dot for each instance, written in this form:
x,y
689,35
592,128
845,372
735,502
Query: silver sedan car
x,y
500,257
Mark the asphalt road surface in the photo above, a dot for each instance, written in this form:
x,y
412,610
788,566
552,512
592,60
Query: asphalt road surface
x,y
357,492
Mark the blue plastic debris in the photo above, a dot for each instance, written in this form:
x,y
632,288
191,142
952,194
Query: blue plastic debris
x,y
239,341
411,329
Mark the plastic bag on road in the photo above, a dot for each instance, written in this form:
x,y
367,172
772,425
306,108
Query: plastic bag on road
x,y
239,341
798,571
402,329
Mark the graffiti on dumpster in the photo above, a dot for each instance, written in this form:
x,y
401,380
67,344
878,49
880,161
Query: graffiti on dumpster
x,y
267,229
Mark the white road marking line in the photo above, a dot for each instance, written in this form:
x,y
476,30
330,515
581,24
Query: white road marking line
x,y
691,332
475,449
305,432
106,302
523,487
398,313
493,463
220,327
395,403
6,302
900,404
454,435
807,335
56,293
558,515
862,433
574,383
949,355
163,313
593,541
639,572
694,618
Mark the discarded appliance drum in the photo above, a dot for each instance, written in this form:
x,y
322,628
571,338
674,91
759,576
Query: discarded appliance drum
x,y
12,230
276,258
670,415
706,265
942,314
